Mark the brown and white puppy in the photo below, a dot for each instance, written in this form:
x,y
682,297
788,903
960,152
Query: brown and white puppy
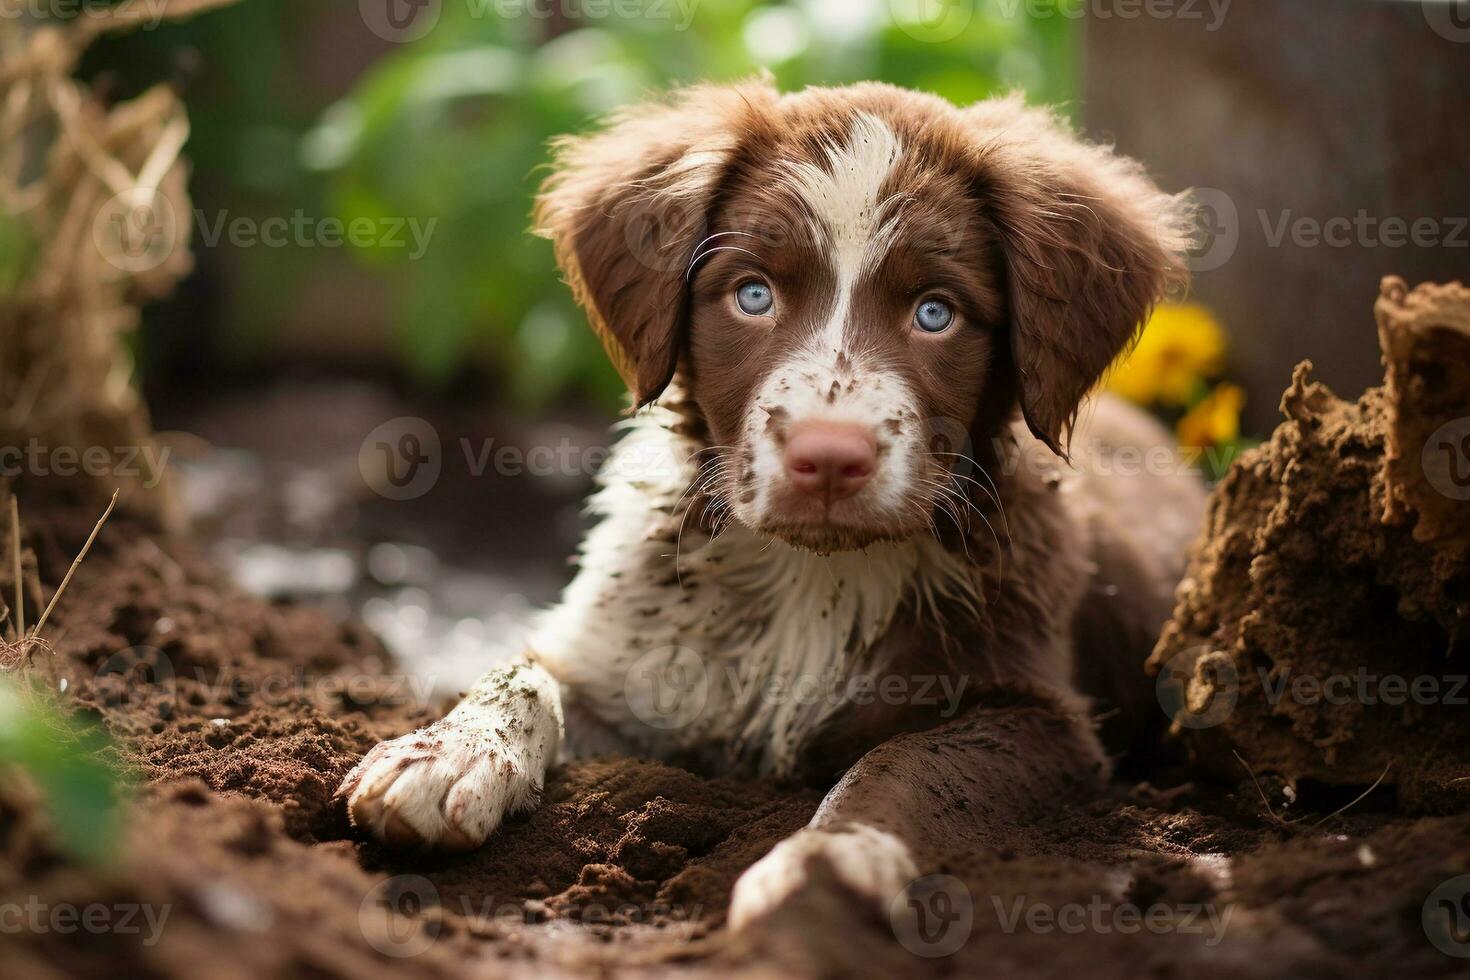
x,y
856,528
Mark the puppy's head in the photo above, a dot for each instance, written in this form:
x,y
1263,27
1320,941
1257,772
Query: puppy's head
x,y
841,275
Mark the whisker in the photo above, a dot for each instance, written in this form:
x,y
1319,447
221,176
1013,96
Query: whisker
x,y
706,476
707,253
993,491
952,494
720,234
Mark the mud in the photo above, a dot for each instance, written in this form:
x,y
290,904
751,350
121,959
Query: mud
x,y
237,717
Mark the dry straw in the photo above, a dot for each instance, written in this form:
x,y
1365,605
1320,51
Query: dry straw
x,y
69,162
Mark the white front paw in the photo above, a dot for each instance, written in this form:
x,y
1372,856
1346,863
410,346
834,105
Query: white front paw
x,y
442,786
451,784
873,863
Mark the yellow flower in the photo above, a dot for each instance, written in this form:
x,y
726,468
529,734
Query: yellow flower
x,y
1214,421
1181,346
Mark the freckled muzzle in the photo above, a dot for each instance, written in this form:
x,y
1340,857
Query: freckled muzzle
x,y
834,453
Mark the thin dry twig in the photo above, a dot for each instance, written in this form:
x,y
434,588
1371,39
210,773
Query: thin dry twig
x,y
66,579
20,597
1282,821
1360,797
18,653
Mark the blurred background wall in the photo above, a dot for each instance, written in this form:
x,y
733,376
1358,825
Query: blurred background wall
x,y
1331,146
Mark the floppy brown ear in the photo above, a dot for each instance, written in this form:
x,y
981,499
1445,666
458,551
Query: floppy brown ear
x,y
625,207
1091,244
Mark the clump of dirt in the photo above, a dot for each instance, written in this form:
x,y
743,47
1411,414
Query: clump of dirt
x,y
1321,631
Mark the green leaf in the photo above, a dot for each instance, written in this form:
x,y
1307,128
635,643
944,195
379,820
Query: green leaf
x,y
68,763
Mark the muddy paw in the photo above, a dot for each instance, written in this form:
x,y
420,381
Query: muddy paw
x,y
443,786
451,784
875,864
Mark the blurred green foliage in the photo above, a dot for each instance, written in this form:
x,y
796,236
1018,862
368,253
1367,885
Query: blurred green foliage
x,y
453,128
69,763
17,250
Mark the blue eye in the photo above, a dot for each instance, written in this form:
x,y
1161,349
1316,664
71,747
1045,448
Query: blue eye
x,y
755,298
933,316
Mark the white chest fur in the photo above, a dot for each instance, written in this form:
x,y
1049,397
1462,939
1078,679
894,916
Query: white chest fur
x,y
679,642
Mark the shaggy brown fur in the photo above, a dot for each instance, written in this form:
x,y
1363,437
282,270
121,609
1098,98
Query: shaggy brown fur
x,y
853,210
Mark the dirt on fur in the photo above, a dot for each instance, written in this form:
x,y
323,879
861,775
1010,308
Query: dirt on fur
x,y
237,718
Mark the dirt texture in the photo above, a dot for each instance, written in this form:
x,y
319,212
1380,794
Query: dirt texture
x,y
1321,632
236,718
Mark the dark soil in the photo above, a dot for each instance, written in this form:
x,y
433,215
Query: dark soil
x,y
238,717
627,867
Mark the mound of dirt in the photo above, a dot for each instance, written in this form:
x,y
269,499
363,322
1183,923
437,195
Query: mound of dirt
x,y
1321,632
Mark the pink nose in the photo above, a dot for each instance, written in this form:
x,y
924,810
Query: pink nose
x,y
830,460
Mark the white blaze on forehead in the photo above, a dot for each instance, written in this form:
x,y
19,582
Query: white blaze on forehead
x,y
843,203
